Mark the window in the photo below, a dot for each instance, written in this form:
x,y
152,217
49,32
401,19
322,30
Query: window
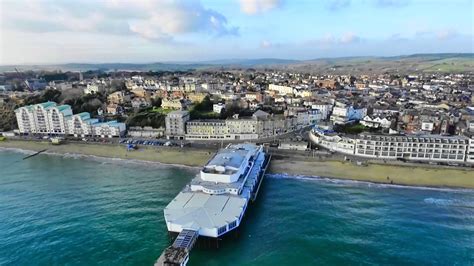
x,y
222,230
232,225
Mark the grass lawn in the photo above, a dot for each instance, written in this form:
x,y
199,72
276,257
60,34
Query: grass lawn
x,y
161,110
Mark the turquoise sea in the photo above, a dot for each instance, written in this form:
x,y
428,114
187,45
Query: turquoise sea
x,y
57,210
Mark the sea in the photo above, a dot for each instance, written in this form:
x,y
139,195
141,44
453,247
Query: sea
x,y
79,210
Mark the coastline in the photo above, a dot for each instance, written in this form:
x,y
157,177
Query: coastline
x,y
164,155
401,175
409,175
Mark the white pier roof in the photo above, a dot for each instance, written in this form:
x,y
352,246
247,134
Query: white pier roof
x,y
203,212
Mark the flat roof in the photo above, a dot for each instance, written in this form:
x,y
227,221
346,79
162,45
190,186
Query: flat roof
x,y
196,210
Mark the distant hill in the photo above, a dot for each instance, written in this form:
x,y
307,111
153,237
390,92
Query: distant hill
x,y
446,62
108,67
423,63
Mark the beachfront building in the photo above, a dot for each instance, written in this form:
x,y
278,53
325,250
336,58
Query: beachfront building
x,y
332,141
429,147
413,147
50,119
108,129
207,129
43,118
259,125
175,123
470,150
57,117
229,129
80,125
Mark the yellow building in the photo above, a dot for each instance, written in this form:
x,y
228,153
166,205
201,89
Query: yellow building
x,y
174,104
196,97
117,97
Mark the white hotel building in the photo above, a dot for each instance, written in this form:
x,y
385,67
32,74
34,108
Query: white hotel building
x,y
434,148
43,118
50,119
413,147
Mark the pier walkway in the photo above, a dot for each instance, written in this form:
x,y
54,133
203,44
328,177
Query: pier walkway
x,y
178,253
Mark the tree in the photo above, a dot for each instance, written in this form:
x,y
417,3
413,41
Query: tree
x,y
156,102
51,95
205,105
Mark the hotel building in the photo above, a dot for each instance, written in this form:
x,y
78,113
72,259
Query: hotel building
x,y
434,148
50,119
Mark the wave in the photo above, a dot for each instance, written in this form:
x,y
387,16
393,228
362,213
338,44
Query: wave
x,y
367,183
449,202
17,150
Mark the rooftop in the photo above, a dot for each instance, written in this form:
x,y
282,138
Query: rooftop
x,y
195,210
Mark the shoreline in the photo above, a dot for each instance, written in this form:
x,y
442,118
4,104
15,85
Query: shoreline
x,y
398,175
336,180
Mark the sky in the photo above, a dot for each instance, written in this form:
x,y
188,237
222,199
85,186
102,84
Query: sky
x,y
143,31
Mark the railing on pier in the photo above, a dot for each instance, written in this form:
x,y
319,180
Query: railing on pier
x,y
178,253
266,163
186,239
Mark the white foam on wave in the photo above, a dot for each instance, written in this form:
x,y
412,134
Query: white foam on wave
x,y
17,150
367,183
112,160
449,202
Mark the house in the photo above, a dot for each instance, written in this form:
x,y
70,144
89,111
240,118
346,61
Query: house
x,y
174,104
118,97
376,122
113,109
218,107
139,102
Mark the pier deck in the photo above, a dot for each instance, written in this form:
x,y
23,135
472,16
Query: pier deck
x,y
214,202
178,253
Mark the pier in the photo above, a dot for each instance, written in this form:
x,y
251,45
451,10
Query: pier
x,y
178,253
214,202
260,176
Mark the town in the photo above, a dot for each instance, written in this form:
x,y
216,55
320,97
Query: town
x,y
265,106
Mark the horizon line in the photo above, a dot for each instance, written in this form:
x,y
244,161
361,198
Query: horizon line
x,y
235,59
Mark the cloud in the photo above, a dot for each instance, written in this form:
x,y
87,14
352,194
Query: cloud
x,y
253,7
446,34
330,41
349,38
185,17
160,20
265,44
336,5
391,3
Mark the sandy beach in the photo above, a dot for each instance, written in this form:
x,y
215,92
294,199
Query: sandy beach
x,y
188,157
422,175
378,173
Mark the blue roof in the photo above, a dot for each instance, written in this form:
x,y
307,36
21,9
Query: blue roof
x,y
47,104
109,123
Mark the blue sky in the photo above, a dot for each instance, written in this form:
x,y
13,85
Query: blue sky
x,y
61,31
